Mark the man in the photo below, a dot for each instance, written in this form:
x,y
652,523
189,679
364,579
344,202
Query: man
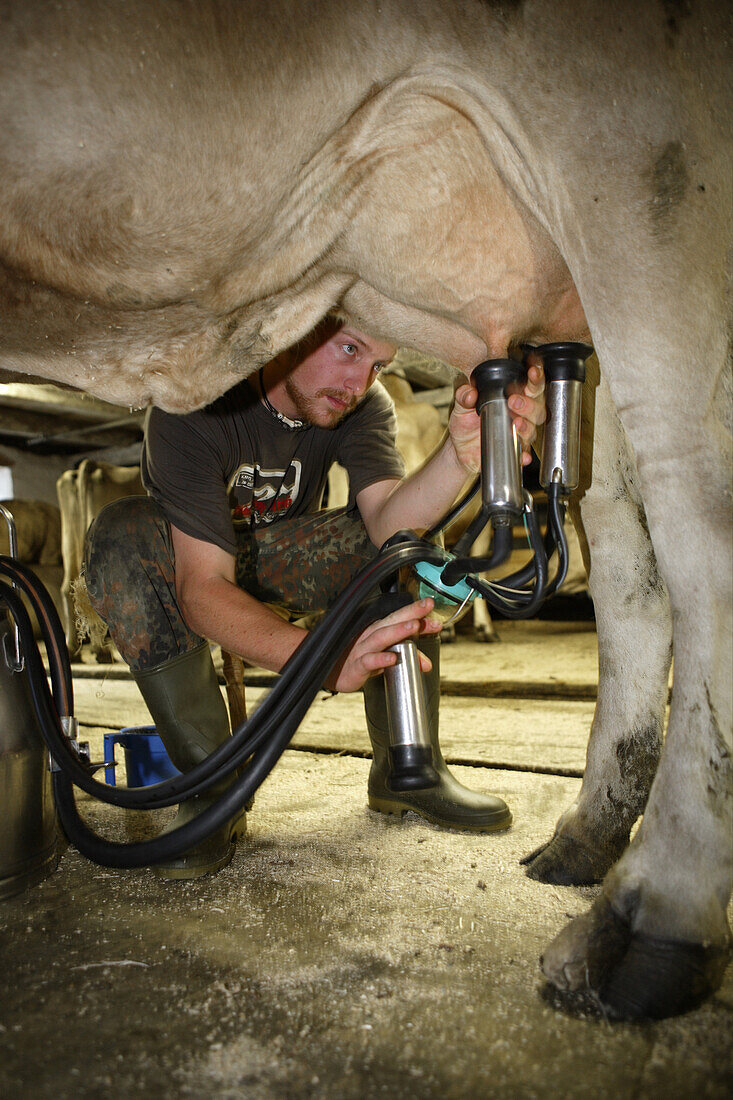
x,y
231,547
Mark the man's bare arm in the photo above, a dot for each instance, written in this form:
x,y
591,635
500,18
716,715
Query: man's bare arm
x,y
424,496
214,607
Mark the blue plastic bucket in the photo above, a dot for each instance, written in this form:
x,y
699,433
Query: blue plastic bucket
x,y
146,759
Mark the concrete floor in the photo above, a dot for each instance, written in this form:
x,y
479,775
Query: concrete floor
x,y
341,954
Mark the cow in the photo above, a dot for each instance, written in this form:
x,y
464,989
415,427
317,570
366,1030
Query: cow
x,y
82,493
188,187
37,544
37,530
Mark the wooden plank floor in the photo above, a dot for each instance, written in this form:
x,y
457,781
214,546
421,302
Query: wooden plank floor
x,y
525,703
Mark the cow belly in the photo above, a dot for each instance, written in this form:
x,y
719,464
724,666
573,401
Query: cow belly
x,y
437,265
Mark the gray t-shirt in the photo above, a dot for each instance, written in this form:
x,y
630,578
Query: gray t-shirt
x,y
232,466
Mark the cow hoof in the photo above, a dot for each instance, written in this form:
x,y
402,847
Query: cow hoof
x,y
484,634
564,861
628,975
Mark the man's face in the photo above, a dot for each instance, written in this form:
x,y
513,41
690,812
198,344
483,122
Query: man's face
x,y
330,381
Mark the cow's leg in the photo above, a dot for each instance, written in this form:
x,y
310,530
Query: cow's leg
x,y
130,580
657,940
634,641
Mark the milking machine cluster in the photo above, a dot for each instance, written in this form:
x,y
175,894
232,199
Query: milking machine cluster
x,y
406,567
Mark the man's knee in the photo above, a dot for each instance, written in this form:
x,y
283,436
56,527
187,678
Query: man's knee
x,y
129,521
130,580
125,536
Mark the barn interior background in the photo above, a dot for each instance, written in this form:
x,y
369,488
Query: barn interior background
x,y
340,955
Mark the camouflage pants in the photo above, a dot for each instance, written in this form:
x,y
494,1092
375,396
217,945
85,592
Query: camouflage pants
x,y
299,566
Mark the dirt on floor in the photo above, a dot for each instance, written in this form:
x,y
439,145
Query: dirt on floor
x,y
342,955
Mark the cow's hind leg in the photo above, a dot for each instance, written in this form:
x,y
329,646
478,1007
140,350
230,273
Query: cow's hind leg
x,y
657,940
634,642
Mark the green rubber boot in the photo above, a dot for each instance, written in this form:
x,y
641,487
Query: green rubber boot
x,y
191,719
447,802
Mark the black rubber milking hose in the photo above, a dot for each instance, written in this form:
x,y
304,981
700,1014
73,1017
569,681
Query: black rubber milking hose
x,y
472,532
526,574
185,837
47,712
555,539
556,521
501,546
214,817
238,793
51,629
44,704
313,666
274,708
523,603
310,664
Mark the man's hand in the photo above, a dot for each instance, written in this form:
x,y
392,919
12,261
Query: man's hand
x,y
527,410
369,655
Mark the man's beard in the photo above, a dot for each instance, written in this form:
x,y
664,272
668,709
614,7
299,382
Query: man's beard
x,y
312,409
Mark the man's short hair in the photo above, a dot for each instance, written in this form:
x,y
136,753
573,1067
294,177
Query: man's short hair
x,y
327,327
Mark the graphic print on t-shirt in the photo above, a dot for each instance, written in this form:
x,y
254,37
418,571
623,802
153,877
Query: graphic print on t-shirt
x,y
260,496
